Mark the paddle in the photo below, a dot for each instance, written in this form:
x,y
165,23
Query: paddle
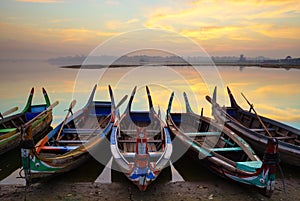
x,y
159,113
266,129
210,100
72,104
258,117
40,114
8,112
119,104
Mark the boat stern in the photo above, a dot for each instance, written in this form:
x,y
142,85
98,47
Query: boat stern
x,y
143,174
270,161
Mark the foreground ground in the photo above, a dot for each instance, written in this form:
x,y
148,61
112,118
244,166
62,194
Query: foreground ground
x,y
218,189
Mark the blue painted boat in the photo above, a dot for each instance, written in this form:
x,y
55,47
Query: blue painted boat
x,y
141,144
222,151
82,133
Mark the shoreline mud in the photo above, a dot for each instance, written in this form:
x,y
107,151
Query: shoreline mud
x,y
218,189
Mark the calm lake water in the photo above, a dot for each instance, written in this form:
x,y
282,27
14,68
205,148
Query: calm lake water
x,y
275,93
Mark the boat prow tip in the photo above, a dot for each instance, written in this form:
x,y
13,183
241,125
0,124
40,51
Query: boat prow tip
x,y
208,98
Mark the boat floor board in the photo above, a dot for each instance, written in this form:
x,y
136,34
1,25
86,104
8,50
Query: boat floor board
x,y
211,133
72,141
80,131
151,154
134,141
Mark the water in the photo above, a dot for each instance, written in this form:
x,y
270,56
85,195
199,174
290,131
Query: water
x,y
274,92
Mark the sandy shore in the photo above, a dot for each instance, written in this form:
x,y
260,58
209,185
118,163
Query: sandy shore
x,y
219,189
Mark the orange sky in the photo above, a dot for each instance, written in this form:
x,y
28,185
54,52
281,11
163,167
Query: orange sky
x,y
32,29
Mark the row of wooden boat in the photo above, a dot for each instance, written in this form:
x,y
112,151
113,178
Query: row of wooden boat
x,y
257,130
38,117
141,142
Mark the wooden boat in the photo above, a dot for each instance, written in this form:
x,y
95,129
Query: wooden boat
x,y
141,144
223,151
10,126
247,125
80,134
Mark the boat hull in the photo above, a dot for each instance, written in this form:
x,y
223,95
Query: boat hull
x,y
222,151
40,127
71,143
140,144
248,126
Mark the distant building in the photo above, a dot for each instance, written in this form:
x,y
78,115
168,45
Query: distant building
x,y
288,58
242,58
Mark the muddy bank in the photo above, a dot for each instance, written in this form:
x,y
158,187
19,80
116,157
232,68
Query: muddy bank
x,y
219,189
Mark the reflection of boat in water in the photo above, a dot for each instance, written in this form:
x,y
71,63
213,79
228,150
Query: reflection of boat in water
x,y
223,151
141,144
247,125
10,126
68,145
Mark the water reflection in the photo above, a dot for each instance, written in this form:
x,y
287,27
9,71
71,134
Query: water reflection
x,y
274,92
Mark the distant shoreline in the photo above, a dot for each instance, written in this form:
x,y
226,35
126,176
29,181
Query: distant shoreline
x,y
240,64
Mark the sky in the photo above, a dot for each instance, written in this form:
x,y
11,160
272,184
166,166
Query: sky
x,y
42,29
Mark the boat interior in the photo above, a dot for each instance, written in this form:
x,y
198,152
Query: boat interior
x,y
141,133
251,121
209,137
79,129
11,123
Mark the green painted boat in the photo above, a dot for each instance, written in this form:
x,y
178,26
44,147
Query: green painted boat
x,y
222,151
71,143
10,126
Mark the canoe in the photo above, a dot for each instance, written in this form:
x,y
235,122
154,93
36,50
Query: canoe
x,y
81,133
223,151
10,126
247,125
141,144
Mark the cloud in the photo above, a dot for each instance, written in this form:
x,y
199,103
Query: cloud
x,y
52,34
233,25
113,24
278,90
37,42
285,114
134,20
118,24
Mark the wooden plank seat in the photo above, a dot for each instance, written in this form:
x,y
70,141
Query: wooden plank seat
x,y
80,131
151,154
134,141
134,131
286,138
72,141
204,134
261,129
226,149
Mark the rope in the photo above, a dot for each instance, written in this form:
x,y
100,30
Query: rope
x,y
69,110
283,182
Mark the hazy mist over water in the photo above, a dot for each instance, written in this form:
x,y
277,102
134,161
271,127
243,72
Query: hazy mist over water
x,y
275,93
